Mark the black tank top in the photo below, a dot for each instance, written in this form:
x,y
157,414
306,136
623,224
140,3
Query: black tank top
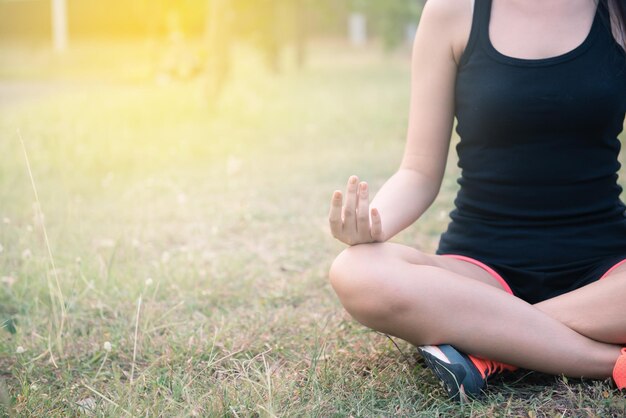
x,y
538,152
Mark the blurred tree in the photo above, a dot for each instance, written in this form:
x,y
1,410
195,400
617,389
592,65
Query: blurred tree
x,y
218,40
270,25
59,25
390,18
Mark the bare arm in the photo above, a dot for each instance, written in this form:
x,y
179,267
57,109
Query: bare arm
x,y
412,189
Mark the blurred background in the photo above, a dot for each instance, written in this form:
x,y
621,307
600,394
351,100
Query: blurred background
x,y
174,259
188,38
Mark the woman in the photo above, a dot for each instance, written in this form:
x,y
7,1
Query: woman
x,y
531,271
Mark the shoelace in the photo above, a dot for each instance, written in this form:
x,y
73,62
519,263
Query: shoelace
x,y
489,368
494,367
619,372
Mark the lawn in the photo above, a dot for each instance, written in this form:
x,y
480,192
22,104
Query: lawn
x,y
191,243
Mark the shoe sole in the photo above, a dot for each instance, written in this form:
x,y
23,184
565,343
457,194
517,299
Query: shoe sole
x,y
439,363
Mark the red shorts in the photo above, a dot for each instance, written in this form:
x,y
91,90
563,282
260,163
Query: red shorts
x,y
535,286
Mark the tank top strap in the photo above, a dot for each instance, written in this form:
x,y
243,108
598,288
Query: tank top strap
x,y
479,32
483,14
602,9
605,29
605,18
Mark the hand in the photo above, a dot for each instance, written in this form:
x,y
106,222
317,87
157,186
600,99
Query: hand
x,y
351,223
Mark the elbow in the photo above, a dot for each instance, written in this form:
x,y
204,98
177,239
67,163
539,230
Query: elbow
x,y
428,182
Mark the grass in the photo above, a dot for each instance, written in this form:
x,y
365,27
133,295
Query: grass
x,y
193,240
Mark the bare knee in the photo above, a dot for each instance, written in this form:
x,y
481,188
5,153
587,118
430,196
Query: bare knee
x,y
356,268
362,278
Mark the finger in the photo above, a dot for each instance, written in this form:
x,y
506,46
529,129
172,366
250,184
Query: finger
x,y
349,209
334,216
363,213
377,226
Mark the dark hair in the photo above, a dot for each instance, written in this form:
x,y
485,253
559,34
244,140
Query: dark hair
x,y
618,18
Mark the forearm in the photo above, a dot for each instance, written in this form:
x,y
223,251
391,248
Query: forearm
x,y
403,199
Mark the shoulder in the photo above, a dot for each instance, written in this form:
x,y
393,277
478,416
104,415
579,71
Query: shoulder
x,y
450,19
447,10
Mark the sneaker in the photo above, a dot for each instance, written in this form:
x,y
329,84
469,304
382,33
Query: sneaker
x,y
463,376
619,372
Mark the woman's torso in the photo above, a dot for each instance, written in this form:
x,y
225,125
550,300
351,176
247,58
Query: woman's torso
x,y
538,152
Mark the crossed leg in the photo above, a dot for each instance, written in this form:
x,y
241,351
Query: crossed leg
x,y
597,310
429,299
